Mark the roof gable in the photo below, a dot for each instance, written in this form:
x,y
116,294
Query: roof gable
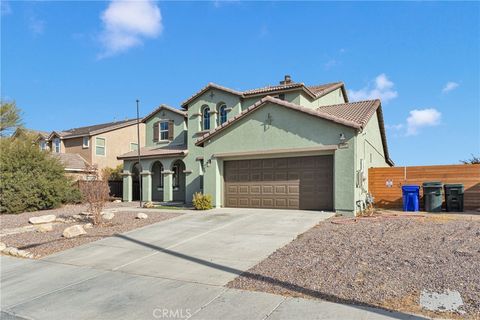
x,y
164,107
209,86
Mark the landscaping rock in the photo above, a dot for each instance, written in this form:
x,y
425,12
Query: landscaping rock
x,y
3,246
42,219
88,226
449,301
117,201
108,215
149,205
73,231
141,215
86,213
44,227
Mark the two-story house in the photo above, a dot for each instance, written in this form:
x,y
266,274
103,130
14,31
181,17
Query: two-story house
x,y
96,145
287,146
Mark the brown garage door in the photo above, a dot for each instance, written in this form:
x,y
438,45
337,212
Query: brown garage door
x,y
288,183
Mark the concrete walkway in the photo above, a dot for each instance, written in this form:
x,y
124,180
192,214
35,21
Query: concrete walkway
x,y
175,269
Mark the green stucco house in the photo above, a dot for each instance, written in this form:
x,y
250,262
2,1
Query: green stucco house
x,y
288,146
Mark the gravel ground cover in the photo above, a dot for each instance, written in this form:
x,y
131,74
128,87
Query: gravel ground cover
x,y
383,262
45,243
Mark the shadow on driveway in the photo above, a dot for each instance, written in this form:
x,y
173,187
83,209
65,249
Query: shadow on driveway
x,y
280,283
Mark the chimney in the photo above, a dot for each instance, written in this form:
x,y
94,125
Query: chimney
x,y
286,80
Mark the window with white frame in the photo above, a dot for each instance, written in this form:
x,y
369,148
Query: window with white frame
x,y
86,142
100,146
56,145
43,145
206,119
133,146
163,131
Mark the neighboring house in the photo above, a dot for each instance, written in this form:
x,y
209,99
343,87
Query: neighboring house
x,y
98,145
288,146
75,165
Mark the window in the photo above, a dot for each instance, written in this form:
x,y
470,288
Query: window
x,y
206,118
163,132
43,145
86,142
56,145
281,96
222,114
133,146
176,176
100,146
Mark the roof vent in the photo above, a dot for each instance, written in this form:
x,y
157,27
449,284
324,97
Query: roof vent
x,y
287,80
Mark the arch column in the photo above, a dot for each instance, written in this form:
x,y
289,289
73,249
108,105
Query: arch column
x,y
127,186
167,185
146,177
213,119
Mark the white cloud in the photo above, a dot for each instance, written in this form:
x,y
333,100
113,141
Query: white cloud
x,y
422,118
126,23
382,89
449,86
395,127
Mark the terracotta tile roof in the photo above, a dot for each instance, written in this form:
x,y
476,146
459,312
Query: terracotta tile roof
x,y
72,161
165,151
164,107
355,115
358,112
313,91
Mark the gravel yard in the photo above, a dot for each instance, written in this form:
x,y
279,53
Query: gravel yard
x,y
383,262
45,243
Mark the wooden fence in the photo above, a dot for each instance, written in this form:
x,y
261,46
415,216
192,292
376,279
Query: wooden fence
x,y
385,184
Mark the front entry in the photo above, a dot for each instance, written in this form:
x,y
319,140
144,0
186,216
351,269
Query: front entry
x,y
282,183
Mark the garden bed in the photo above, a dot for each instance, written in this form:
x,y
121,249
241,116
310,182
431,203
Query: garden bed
x,y
44,243
382,262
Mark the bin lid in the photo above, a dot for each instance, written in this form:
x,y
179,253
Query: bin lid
x,y
410,187
436,184
454,185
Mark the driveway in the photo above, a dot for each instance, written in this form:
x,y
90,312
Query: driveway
x,y
175,269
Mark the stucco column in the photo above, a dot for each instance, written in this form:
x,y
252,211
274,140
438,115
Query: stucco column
x,y
213,119
127,186
167,185
146,186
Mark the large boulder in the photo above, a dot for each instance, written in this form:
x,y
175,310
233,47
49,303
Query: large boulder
x,y
42,219
108,215
141,215
3,246
44,227
74,231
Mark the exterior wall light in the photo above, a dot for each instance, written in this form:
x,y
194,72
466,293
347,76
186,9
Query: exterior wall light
x,y
342,138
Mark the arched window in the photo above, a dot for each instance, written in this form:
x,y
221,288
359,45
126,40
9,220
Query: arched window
x,y
206,118
222,114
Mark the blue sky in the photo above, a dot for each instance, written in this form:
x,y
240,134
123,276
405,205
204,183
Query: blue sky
x,y
69,64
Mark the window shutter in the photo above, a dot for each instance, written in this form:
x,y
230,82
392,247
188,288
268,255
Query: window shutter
x,y
155,131
170,130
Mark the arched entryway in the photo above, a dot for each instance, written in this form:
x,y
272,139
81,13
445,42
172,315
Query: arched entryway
x,y
178,169
157,181
136,182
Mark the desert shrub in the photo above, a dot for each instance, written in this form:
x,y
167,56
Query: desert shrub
x,y
95,192
202,201
30,179
112,174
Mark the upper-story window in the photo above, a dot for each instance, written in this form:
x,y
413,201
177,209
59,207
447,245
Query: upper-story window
x,y
222,114
133,146
163,131
206,118
43,145
56,145
86,142
100,146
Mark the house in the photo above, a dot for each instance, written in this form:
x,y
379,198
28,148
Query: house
x,y
288,146
96,145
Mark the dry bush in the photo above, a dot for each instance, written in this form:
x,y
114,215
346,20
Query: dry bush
x,y
95,192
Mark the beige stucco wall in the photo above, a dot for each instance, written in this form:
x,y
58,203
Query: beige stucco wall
x,y
117,142
75,145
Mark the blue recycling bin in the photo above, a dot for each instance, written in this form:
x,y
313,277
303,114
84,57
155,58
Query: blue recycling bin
x,y
411,198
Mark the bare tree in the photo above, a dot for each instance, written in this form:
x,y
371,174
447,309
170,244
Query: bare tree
x,y
473,160
95,192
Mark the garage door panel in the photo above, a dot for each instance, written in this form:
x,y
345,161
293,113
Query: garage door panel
x,y
291,183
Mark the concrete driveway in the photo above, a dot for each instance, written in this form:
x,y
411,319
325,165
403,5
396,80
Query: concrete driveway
x,y
175,269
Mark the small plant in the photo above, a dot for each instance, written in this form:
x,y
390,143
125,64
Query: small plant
x,y
95,192
202,201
